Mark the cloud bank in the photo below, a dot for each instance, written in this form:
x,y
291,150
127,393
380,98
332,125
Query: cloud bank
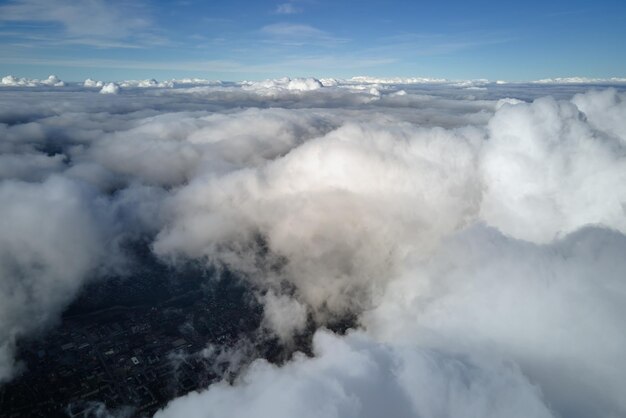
x,y
474,232
52,238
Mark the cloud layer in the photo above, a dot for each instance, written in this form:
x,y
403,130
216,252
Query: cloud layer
x,y
474,230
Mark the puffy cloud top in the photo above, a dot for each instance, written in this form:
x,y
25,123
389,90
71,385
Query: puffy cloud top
x,y
296,84
110,88
12,81
93,83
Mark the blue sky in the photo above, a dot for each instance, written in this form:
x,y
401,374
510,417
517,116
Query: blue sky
x,y
254,39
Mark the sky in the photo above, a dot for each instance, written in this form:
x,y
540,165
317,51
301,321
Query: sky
x,y
474,231
256,39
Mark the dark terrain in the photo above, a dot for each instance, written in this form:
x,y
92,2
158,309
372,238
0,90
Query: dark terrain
x,y
131,344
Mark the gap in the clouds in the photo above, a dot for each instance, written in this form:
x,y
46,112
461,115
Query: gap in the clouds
x,y
132,343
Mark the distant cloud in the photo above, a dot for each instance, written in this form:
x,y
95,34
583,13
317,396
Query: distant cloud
x,y
298,34
287,9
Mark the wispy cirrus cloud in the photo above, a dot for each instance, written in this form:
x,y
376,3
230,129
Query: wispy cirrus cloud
x,y
446,42
99,23
295,30
287,9
410,45
296,34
